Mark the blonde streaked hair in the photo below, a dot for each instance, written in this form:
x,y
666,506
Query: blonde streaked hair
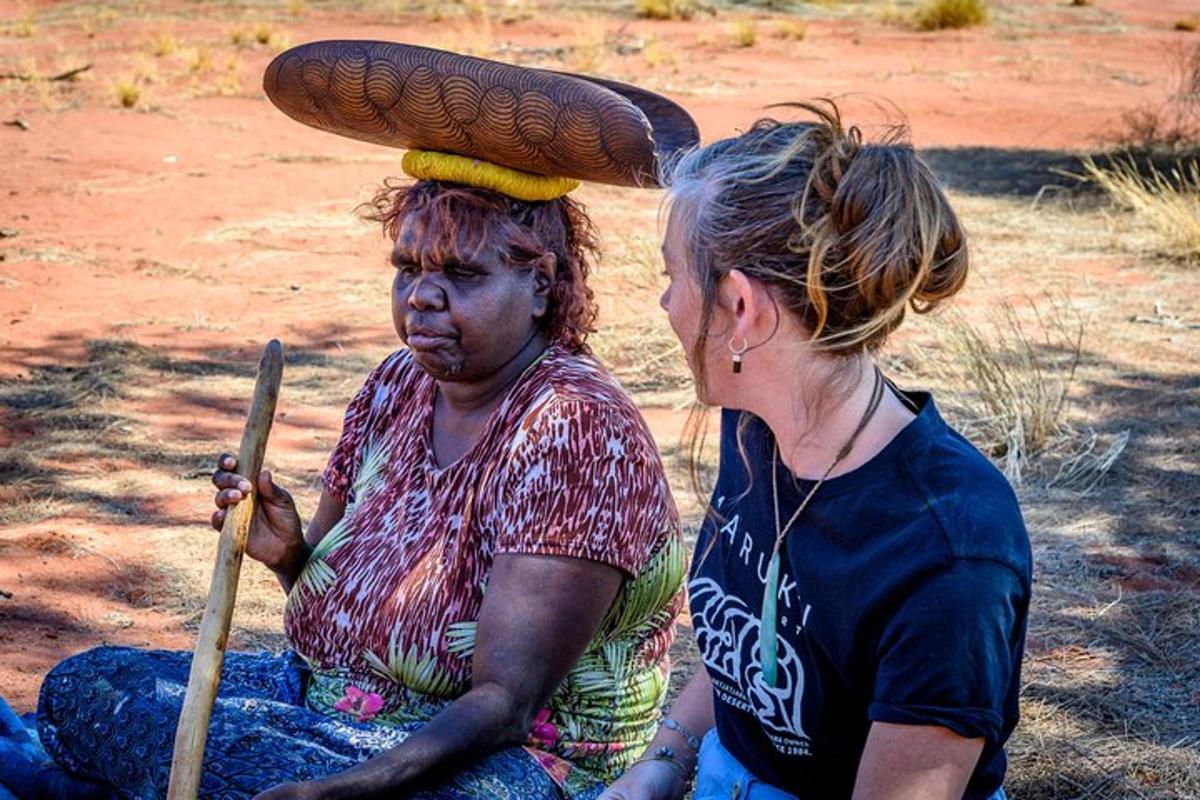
x,y
848,234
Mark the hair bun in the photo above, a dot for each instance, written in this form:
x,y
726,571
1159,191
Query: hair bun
x,y
851,234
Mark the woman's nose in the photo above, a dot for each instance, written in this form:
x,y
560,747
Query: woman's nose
x,y
426,295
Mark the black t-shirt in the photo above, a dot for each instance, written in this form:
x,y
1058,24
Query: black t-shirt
x,y
903,594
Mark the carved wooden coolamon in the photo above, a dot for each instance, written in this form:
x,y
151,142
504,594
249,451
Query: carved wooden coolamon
x,y
534,120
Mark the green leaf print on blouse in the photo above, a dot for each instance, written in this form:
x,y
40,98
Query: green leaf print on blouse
x,y
614,696
414,669
317,576
639,600
460,639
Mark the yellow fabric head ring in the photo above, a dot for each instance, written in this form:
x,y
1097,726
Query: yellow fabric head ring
x,y
430,166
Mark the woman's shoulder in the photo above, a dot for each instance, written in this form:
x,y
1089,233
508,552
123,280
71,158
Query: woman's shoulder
x,y
973,502
573,396
575,378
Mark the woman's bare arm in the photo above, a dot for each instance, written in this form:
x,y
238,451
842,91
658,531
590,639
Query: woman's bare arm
x,y
915,762
657,780
537,618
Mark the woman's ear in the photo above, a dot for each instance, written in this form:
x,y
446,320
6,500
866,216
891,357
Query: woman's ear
x,y
740,300
543,278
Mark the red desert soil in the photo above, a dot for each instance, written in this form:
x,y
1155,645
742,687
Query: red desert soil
x,y
202,222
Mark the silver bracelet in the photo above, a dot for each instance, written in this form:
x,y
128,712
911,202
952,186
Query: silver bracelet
x,y
692,741
667,755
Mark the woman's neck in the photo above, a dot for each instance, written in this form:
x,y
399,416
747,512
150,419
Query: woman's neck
x,y
814,415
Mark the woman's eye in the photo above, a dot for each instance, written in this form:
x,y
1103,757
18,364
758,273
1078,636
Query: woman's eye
x,y
461,273
407,270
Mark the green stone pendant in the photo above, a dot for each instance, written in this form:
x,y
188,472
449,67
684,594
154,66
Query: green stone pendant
x,y
768,636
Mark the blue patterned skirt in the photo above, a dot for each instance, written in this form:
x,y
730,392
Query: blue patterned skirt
x,y
109,715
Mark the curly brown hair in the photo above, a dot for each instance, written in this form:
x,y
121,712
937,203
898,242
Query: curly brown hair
x,y
458,222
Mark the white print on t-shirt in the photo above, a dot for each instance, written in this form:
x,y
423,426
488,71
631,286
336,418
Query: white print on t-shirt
x,y
747,552
727,636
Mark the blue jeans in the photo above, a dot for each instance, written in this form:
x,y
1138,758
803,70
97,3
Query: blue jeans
x,y
720,776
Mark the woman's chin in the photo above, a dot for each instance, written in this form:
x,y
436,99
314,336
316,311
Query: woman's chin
x,y
437,362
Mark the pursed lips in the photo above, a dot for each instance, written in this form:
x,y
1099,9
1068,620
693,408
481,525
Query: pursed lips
x,y
422,337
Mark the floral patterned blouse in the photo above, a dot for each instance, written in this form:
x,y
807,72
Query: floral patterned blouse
x,y
386,608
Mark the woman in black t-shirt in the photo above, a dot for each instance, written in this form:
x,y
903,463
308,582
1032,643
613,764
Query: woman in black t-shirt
x,y
861,584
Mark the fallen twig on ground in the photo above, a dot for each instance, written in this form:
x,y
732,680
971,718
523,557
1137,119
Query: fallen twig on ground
x,y
28,76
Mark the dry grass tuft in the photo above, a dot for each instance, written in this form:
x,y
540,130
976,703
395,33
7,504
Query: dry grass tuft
x,y
1169,202
200,61
646,357
1080,2
261,34
24,490
1190,24
936,15
25,26
658,53
1103,707
229,82
589,52
666,9
241,37
164,43
792,29
1008,380
128,92
744,33
642,351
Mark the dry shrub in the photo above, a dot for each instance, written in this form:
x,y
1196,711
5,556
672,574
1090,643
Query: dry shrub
x,y
1189,24
890,14
1081,2
1168,201
936,15
476,38
1007,381
1173,124
666,9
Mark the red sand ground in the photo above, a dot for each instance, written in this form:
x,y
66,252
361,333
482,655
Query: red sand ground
x,y
127,220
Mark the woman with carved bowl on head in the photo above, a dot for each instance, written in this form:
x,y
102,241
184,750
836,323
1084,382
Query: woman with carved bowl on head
x,y
482,604
860,587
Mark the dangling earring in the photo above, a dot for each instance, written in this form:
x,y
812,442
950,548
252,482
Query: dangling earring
x,y
738,352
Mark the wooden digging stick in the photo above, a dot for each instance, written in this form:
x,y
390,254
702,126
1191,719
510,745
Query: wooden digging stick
x,y
205,676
